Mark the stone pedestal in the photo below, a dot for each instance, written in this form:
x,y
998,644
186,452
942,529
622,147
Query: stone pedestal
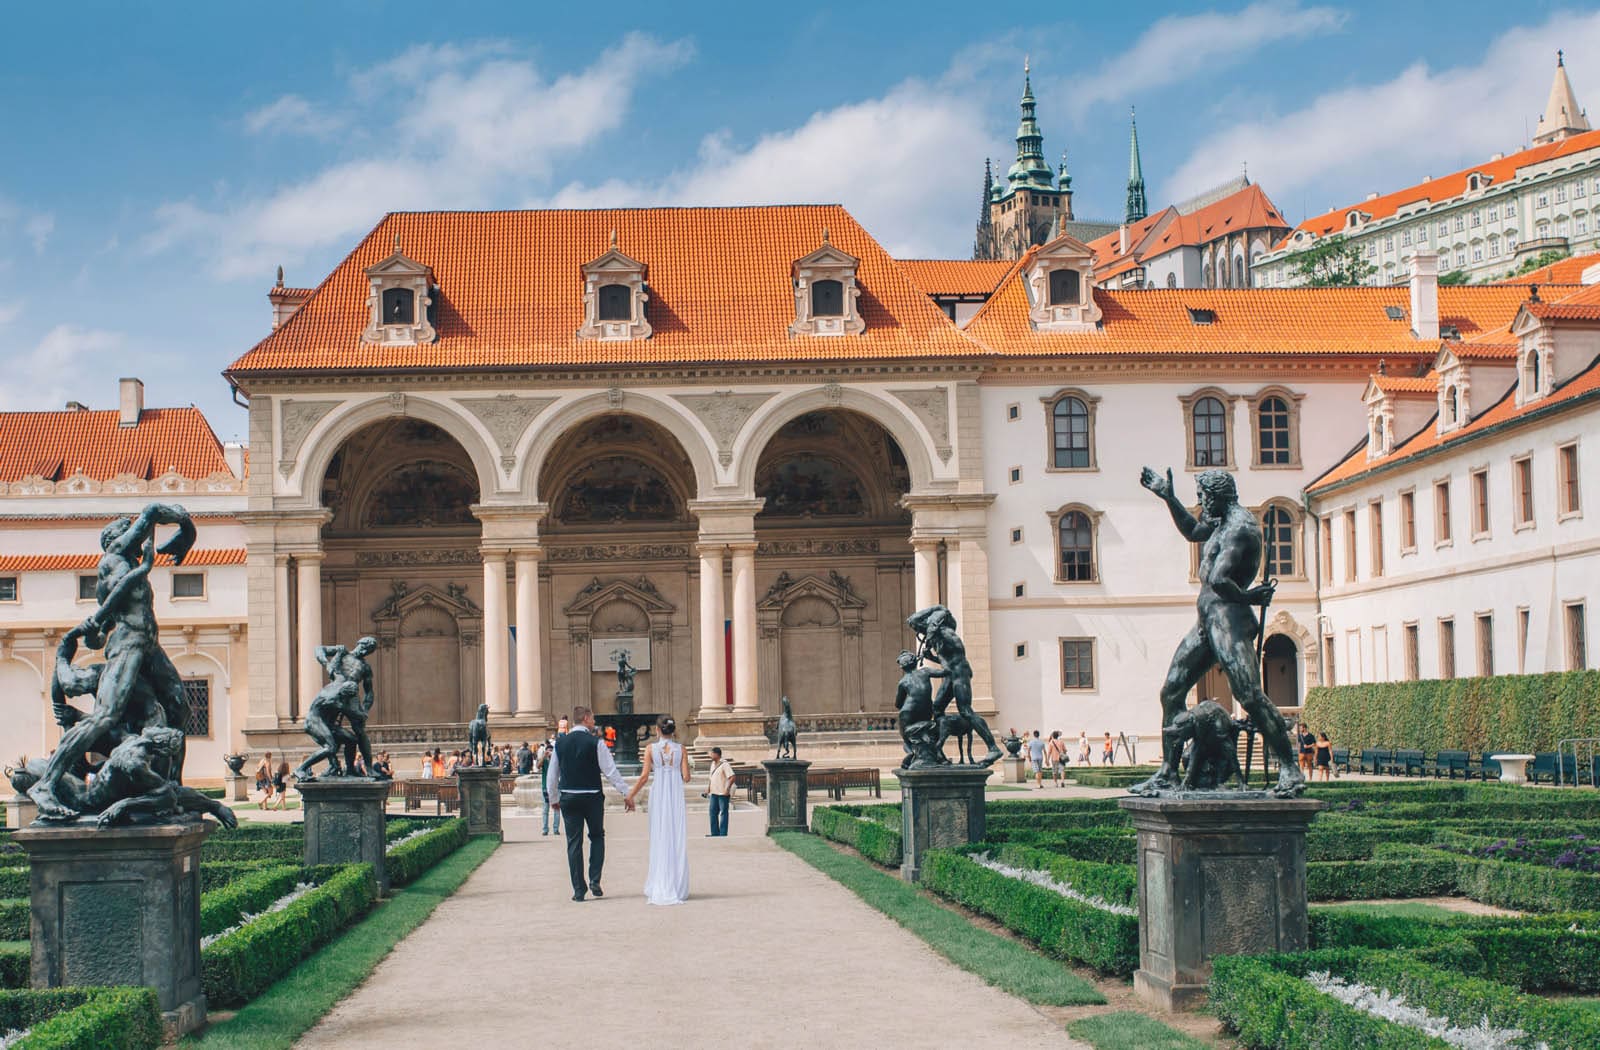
x,y
1216,877
939,807
344,822
528,796
1013,770
20,811
786,794
480,798
238,787
119,906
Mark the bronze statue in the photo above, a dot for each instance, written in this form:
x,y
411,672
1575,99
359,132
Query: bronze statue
x,y
350,665
625,673
478,736
336,700
131,783
937,641
1225,634
914,699
1212,738
788,732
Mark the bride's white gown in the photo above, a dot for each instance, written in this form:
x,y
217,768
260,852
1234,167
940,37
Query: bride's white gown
x,y
668,879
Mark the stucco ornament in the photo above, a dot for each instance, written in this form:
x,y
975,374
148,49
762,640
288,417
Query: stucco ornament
x,y
724,413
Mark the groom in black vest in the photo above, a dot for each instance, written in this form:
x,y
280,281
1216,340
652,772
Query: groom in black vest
x,y
573,786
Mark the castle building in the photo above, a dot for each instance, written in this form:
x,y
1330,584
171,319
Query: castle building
x,y
1483,221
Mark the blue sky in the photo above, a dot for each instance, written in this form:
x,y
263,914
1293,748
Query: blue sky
x,y
165,158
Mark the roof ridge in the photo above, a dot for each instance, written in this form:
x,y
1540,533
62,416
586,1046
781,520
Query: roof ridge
x,y
591,210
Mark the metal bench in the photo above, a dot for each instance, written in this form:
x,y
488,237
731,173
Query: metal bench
x,y
1407,762
1448,764
1374,759
1341,759
1488,768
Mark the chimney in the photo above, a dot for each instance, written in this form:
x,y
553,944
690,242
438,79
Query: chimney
x,y
1372,195
1425,295
1122,239
130,400
233,455
77,406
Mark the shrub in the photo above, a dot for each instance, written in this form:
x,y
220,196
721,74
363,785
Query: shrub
x,y
1380,879
248,894
238,967
1060,927
83,1018
871,838
14,966
404,863
1102,845
16,920
215,875
1115,883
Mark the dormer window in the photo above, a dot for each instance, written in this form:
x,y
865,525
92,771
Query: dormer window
x,y
1060,286
614,297
825,293
399,292
1533,372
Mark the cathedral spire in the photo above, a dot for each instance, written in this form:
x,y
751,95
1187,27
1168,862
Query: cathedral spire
x,y
1030,169
983,246
1562,115
1136,208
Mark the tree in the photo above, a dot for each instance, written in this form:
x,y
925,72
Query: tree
x,y
1331,262
1554,255
1452,277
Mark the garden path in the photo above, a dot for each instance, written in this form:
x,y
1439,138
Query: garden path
x,y
767,953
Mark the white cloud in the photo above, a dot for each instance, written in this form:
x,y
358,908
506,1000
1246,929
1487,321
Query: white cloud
x,y
461,127
17,221
1178,47
291,115
1387,135
9,312
43,376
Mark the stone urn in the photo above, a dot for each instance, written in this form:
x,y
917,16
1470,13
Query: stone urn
x,y
528,795
1013,745
235,763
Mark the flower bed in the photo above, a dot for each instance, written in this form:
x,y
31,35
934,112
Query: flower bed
x,y
226,906
864,828
407,858
82,1018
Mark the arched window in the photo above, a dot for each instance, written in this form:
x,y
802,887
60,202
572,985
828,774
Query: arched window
x,y
1274,432
1070,431
1075,538
399,306
616,303
827,299
1451,407
1238,271
1205,276
1172,280
1210,426
1064,285
1278,546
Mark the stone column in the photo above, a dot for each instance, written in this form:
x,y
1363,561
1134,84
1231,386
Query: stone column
x,y
283,697
713,663
968,598
495,686
308,619
530,668
925,563
745,681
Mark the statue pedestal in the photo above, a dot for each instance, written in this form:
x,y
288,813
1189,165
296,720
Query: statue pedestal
x,y
20,811
786,794
1013,770
480,798
344,822
528,797
1216,877
939,807
119,906
238,788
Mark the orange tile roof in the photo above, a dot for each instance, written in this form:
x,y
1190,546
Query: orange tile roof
x,y
1427,384
956,277
88,562
56,445
510,292
1248,321
1563,271
1447,187
1246,209
1476,351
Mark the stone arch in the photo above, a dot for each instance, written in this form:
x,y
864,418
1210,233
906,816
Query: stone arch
x,y
223,677
888,413
344,422
1284,624
544,437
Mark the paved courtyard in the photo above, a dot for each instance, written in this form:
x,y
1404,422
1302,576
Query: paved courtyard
x,y
768,953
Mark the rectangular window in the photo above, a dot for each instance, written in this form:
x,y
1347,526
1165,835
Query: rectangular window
x,y
1561,194
198,692
1567,460
1494,213
1578,189
1019,590
1580,224
1480,503
188,585
1461,223
1016,475
1447,648
1461,257
1413,643
1013,412
1444,229
1485,645
1327,549
1405,238
1522,477
86,585
1477,254
1441,512
1327,660
1408,521
1523,618
1388,243
1349,546
1577,638
1375,536
1477,218
8,588
1020,651
1016,535
1541,200
1077,663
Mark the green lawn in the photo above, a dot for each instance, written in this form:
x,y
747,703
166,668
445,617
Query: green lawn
x,y
1398,910
289,1008
1130,1031
1004,963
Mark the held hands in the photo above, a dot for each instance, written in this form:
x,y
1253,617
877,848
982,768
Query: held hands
x,y
1156,483
627,804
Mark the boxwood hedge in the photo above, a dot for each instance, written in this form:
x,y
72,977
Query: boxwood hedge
x,y
872,838
405,862
82,1018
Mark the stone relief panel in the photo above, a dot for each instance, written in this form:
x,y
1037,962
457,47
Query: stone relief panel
x,y
724,413
506,417
932,407
296,418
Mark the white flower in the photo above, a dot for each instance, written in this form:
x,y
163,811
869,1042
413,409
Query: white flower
x,y
1394,1008
1049,882
278,905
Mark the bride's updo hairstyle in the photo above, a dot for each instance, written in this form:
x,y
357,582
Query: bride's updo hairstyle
x,y
666,726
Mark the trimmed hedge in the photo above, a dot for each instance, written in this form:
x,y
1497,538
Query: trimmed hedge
x,y
1265,1000
83,1018
238,967
1380,879
1060,927
16,920
1515,712
249,894
15,964
404,863
1116,883
873,839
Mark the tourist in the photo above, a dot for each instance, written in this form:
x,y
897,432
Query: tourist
x,y
720,792
524,760
280,783
666,767
264,778
452,763
438,765
611,738
1036,759
1108,753
1055,756
427,765
381,769
1083,747
1324,754
1308,746
543,759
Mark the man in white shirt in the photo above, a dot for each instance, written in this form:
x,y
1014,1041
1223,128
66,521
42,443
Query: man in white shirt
x,y
720,792
572,785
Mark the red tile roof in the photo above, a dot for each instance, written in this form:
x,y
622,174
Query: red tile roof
x,y
1563,271
956,277
510,292
88,562
56,445
1427,384
1448,186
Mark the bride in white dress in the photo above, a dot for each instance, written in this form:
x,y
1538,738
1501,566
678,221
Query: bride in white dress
x,y
668,880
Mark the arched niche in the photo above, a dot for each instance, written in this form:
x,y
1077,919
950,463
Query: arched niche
x,y
618,471
545,451
812,641
891,415
428,668
329,436
605,613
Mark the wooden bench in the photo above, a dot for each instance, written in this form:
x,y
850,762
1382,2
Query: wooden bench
x,y
443,793
868,779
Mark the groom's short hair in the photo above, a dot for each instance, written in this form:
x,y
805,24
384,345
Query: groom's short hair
x,y
579,713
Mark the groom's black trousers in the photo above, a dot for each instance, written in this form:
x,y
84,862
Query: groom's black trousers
x,y
579,810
